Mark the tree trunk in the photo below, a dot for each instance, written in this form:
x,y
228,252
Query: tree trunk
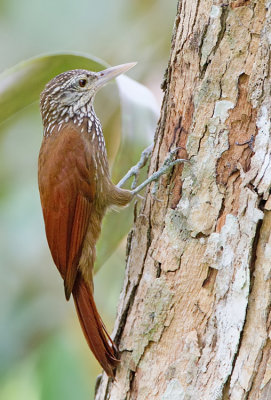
x,y
194,314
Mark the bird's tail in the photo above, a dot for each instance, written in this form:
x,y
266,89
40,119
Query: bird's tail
x,y
92,325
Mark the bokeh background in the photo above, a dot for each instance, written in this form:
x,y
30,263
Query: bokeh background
x,y
43,354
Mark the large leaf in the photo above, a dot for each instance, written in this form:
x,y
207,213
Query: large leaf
x,y
22,84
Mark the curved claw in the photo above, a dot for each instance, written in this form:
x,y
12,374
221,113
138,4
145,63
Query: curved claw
x,y
135,170
172,153
156,175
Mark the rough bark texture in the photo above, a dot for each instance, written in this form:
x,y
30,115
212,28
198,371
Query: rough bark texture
x,y
194,315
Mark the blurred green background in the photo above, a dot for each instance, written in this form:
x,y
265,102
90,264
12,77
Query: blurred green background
x,y
43,354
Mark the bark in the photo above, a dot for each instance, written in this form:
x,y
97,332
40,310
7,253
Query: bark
x,y
194,314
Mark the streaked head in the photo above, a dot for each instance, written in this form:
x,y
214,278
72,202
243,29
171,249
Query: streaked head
x,y
76,88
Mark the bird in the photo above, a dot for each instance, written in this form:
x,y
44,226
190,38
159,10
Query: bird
x,y
76,190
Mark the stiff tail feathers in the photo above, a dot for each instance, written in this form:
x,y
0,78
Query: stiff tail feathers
x,y
94,330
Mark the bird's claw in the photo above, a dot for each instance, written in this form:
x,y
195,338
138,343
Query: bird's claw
x,y
155,190
139,196
135,170
167,165
170,156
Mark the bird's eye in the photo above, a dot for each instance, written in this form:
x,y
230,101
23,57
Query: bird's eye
x,y
82,82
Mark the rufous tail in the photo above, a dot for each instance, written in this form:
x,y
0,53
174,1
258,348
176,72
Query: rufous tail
x,y
92,325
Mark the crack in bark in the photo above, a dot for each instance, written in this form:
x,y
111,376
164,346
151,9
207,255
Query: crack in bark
x,y
220,36
226,391
201,138
196,16
132,296
202,71
125,312
240,3
265,390
158,269
147,347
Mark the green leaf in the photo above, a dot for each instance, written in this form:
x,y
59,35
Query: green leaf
x,y
22,84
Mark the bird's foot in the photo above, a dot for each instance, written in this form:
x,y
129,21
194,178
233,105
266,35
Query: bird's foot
x,y
168,164
135,170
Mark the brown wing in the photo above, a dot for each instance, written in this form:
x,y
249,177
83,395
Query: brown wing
x,y
67,190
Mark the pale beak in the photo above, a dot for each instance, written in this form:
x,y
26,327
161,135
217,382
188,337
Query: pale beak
x,y
112,72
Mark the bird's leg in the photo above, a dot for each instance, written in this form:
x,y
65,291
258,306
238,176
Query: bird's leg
x,y
166,167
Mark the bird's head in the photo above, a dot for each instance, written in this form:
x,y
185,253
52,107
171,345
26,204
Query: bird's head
x,y
70,91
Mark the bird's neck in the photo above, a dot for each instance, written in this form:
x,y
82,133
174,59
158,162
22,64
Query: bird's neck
x,y
57,117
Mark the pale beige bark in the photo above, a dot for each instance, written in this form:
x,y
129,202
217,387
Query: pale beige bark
x,y
194,315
